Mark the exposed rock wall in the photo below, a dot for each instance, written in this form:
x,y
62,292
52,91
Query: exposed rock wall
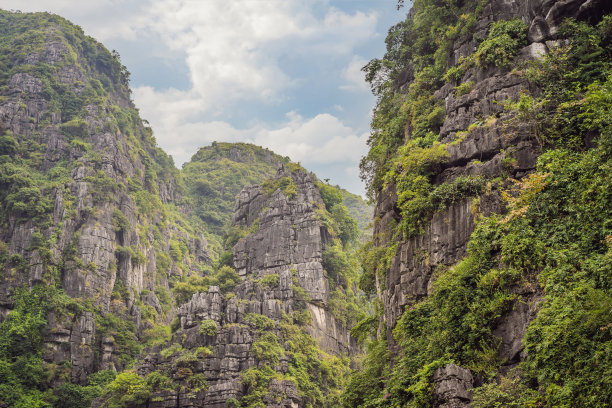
x,y
96,160
500,146
288,243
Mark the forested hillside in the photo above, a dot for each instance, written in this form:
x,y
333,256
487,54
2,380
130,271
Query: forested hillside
x,y
490,163
243,280
216,174
106,264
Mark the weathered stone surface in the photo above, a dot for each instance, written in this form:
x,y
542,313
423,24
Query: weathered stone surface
x,y
482,139
288,242
84,240
512,327
452,386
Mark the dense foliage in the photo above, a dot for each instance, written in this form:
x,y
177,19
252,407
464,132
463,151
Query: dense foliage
x,y
554,242
51,51
107,158
216,174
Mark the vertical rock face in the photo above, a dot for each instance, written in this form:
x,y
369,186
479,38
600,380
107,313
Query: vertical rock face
x,y
285,246
289,236
485,150
83,189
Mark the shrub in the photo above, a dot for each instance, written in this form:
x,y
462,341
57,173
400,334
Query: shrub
x,y
75,396
158,381
127,389
331,195
171,350
227,279
183,291
208,328
510,393
505,39
197,382
8,145
285,184
464,88
75,128
270,281
334,261
120,221
260,322
266,348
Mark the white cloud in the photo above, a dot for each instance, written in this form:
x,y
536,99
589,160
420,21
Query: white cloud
x,y
354,77
237,53
233,48
99,18
323,139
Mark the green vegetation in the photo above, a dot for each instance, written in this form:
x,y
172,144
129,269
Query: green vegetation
x,y
126,389
554,241
208,328
216,174
32,184
316,374
24,375
285,184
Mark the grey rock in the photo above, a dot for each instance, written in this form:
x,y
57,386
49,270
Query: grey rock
x,y
452,386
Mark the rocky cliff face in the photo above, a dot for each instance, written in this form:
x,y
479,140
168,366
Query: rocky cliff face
x,y
482,138
103,246
492,150
85,193
276,314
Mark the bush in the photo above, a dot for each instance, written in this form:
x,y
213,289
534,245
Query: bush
x,y
334,261
208,328
127,389
183,291
266,348
75,128
504,41
270,281
171,350
510,393
8,145
158,381
120,221
75,396
331,195
227,279
260,322
285,184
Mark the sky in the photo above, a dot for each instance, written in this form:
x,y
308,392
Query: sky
x,y
282,74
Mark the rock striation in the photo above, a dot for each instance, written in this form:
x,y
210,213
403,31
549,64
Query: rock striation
x,y
492,150
83,194
286,244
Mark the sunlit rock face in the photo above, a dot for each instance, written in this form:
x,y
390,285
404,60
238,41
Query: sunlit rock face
x,y
286,243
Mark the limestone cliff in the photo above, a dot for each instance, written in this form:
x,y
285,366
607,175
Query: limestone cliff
x,y
88,199
256,343
462,144
105,257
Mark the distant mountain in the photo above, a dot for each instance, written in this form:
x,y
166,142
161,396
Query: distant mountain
x,y
216,174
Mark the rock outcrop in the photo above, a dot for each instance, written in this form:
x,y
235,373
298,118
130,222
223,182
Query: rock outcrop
x,y
281,277
481,140
83,192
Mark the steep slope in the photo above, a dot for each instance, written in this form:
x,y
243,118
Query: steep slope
x,y
359,210
106,269
276,334
88,214
491,139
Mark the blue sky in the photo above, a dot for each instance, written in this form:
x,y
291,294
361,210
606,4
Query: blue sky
x,y
283,74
